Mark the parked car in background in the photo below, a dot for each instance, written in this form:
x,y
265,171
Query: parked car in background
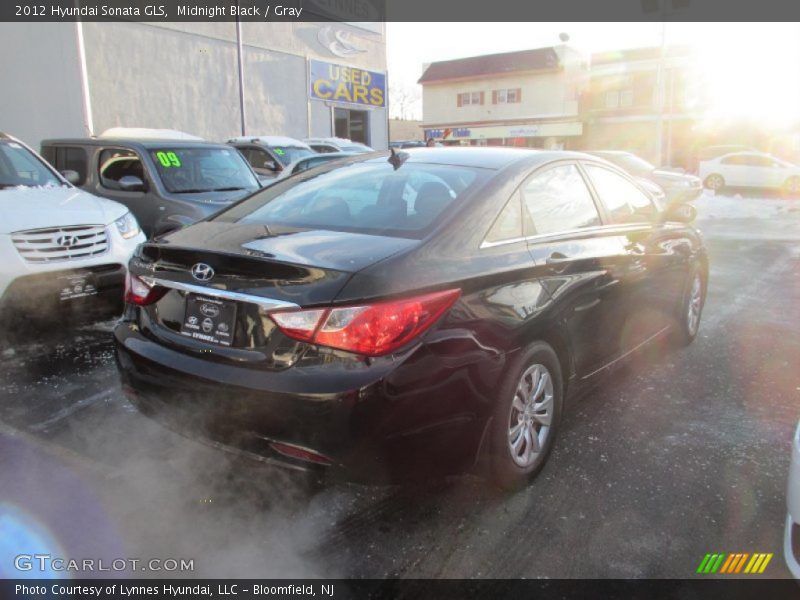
x,y
676,186
309,162
59,246
164,178
791,538
401,144
269,155
752,170
336,144
420,313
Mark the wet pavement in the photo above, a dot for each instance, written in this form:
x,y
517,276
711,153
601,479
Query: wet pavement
x,y
682,453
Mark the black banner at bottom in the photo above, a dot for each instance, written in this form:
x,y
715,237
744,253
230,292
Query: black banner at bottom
x,y
343,589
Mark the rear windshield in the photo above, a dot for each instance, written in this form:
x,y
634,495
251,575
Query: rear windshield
x,y
364,197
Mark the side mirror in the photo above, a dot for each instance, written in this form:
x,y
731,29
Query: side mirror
x,y
71,176
682,213
131,183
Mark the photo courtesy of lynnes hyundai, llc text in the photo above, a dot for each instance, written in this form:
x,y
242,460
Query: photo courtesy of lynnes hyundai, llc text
x,y
396,315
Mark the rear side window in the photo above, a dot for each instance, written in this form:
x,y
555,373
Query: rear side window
x,y
116,163
364,197
508,225
558,200
624,201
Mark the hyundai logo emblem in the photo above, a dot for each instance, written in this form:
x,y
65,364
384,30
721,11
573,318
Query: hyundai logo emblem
x,y
66,241
202,272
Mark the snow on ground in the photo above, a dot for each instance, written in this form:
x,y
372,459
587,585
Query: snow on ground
x,y
738,216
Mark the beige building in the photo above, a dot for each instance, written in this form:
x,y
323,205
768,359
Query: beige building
x,y
527,98
622,110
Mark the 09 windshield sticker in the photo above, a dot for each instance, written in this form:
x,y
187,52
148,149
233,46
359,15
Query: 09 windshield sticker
x,y
279,151
168,160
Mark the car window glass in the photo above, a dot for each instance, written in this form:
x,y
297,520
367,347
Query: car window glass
x,y
508,225
115,164
624,201
258,159
18,167
197,169
557,199
361,197
290,154
72,159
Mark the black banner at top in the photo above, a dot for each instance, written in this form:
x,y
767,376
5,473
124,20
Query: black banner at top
x,y
391,589
399,10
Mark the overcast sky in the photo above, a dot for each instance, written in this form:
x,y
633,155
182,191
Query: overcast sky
x,y
747,62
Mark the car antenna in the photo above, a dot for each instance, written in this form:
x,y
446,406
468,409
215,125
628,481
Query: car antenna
x,y
397,158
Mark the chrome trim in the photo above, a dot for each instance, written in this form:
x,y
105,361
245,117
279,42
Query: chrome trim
x,y
587,231
268,304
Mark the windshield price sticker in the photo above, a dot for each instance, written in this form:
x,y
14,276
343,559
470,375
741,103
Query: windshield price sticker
x,y
168,160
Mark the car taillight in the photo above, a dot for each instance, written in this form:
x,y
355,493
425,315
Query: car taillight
x,y
372,329
140,292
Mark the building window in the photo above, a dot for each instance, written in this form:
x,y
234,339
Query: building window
x,y
612,99
468,98
511,96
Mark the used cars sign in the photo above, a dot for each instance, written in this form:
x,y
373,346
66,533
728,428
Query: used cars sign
x,y
338,83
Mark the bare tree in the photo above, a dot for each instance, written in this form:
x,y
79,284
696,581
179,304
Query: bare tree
x,y
402,101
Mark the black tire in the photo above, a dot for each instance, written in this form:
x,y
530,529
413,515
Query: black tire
x,y
715,182
504,470
683,333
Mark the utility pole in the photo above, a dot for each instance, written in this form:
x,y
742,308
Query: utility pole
x,y
240,66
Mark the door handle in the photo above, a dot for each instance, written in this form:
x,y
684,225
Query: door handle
x,y
557,262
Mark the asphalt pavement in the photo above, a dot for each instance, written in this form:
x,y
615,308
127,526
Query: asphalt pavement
x,y
682,453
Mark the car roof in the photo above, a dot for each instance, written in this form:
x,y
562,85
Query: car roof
x,y
744,153
327,155
146,144
145,133
268,140
608,152
485,157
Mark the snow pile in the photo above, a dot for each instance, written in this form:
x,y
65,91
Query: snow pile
x,y
711,206
748,218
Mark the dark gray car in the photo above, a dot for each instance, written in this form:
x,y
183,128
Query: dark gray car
x,y
165,183
678,187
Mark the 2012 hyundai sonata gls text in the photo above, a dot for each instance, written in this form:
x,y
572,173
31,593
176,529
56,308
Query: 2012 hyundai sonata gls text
x,y
416,313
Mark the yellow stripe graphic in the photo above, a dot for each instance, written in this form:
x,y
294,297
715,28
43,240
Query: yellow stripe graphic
x,y
766,562
752,563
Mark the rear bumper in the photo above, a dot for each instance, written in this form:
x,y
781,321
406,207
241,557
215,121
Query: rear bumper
x,y
394,420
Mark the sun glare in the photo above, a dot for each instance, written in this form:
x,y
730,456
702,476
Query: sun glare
x,y
751,76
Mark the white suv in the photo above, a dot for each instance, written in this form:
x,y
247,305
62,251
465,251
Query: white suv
x,y
59,246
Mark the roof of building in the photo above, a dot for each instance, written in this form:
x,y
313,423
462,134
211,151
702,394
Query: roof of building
x,y
491,64
637,54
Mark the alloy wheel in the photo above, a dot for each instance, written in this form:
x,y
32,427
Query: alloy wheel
x,y
531,415
695,305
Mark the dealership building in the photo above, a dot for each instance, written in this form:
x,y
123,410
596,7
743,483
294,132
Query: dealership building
x,y
298,79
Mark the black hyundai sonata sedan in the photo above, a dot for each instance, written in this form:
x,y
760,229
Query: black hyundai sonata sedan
x,y
416,313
